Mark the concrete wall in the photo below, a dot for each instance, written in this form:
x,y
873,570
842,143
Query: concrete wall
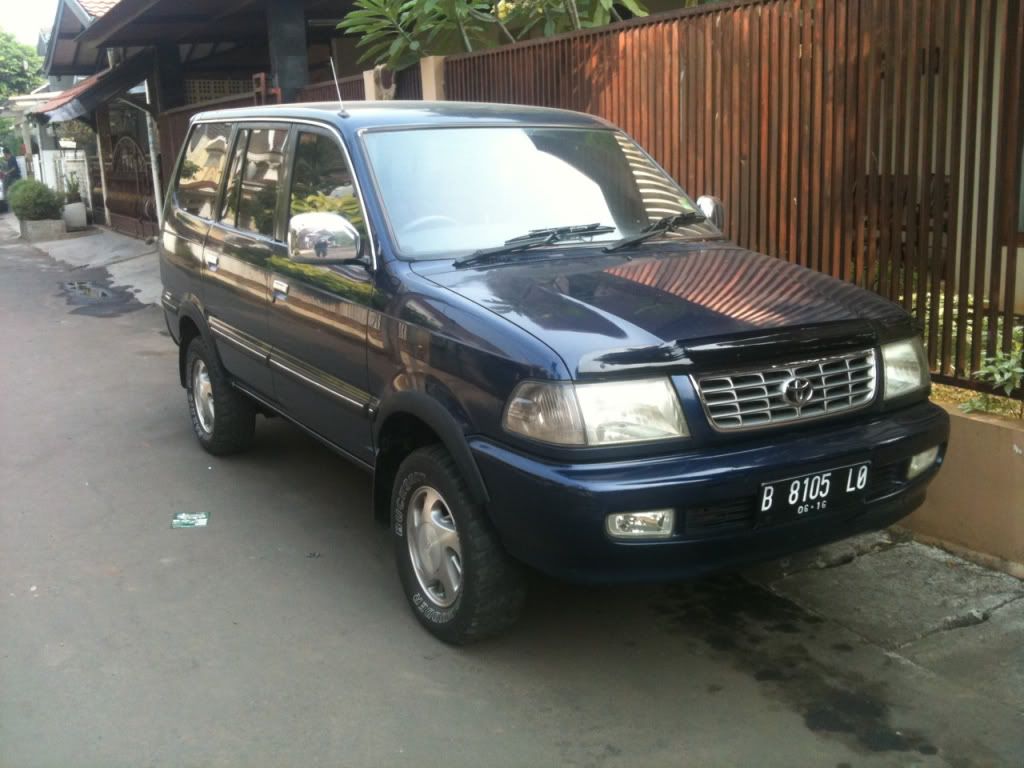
x,y
977,501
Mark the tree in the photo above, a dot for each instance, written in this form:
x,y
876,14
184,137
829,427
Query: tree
x,y
399,32
10,137
21,69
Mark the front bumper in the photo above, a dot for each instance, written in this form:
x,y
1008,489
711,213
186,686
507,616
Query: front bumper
x,y
552,515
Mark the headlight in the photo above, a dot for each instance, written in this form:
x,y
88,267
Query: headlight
x,y
607,413
905,366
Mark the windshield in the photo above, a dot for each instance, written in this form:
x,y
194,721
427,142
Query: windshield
x,y
448,192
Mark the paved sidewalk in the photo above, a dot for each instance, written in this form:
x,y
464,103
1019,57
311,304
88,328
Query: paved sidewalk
x,y
919,605
132,264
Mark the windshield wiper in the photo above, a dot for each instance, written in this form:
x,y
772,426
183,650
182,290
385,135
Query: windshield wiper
x,y
535,238
659,227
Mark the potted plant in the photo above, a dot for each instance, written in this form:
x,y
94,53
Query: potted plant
x,y
75,214
38,209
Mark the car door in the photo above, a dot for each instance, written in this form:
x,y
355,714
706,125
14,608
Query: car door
x,y
239,247
319,306
192,206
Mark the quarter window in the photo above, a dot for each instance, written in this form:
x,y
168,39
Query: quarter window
x,y
264,159
201,168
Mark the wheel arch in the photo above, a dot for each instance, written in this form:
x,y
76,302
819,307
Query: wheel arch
x,y
411,420
192,323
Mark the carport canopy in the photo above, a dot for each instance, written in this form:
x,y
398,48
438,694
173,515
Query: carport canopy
x,y
84,97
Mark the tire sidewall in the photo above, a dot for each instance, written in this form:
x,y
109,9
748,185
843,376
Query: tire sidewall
x,y
197,351
417,471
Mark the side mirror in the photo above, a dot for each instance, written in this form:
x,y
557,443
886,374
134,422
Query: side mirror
x,y
323,238
713,209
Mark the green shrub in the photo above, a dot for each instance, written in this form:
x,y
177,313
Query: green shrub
x,y
34,201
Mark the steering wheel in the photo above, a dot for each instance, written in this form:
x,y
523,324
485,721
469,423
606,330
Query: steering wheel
x,y
428,222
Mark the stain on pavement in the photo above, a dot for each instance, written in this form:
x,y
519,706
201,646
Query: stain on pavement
x,y
98,298
768,636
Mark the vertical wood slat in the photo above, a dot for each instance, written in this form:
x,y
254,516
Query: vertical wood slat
x,y
941,206
953,82
1011,167
970,138
853,136
988,41
926,173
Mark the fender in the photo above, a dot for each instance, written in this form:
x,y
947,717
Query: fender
x,y
193,310
444,424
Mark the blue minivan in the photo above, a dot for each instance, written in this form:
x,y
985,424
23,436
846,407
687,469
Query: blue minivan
x,y
546,355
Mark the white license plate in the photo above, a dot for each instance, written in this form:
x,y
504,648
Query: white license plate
x,y
815,492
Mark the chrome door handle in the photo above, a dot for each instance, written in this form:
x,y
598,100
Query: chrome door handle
x,y
212,260
280,289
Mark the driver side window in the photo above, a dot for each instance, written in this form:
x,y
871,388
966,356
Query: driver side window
x,y
322,180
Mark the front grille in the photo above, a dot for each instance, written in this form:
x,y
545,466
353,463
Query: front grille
x,y
766,397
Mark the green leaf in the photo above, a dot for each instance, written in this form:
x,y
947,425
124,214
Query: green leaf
x,y
634,7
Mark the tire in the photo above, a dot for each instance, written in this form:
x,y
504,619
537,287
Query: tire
x,y
223,419
490,591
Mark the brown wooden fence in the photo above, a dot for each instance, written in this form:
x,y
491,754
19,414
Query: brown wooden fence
x,y
352,89
876,140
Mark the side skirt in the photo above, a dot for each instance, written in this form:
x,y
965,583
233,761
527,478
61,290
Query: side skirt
x,y
316,435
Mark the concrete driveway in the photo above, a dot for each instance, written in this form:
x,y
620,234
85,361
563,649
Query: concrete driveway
x,y
278,635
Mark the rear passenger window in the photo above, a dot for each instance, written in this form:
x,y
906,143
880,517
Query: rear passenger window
x,y
199,176
264,159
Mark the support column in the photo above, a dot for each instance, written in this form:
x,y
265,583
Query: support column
x,y
432,78
154,160
370,86
26,139
102,153
289,58
170,79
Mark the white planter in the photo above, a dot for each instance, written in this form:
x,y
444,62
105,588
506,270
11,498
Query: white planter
x,y
75,216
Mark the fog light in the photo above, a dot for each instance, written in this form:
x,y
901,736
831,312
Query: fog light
x,y
921,462
656,524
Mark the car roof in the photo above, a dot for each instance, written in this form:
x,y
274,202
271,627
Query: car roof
x,y
369,115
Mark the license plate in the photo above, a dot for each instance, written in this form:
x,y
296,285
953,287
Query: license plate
x,y
817,492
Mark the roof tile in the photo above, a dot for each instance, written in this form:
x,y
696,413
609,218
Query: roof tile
x,y
97,8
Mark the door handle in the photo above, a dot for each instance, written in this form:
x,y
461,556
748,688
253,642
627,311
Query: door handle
x,y
212,260
280,290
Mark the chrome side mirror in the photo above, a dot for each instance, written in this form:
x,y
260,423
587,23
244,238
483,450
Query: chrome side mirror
x,y
712,209
324,238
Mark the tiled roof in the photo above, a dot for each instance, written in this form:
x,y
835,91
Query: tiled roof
x,y
97,8
66,96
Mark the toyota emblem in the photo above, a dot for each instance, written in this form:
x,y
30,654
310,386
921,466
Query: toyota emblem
x,y
798,391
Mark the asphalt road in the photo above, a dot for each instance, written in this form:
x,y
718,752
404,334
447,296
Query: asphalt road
x,y
278,634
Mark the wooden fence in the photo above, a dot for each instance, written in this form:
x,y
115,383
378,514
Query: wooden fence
x,y
875,140
352,89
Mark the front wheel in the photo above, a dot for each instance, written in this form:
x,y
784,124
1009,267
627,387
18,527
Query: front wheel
x,y
457,578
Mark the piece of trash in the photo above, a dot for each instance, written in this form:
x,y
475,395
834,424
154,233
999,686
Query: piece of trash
x,y
190,520
209,467
313,554
32,588
1018,450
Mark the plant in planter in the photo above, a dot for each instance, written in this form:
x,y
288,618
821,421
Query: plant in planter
x,y
75,214
38,209
1004,371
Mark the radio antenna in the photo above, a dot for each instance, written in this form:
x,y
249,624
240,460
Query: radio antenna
x,y
337,88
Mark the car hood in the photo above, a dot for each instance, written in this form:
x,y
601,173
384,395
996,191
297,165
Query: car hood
x,y
683,305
